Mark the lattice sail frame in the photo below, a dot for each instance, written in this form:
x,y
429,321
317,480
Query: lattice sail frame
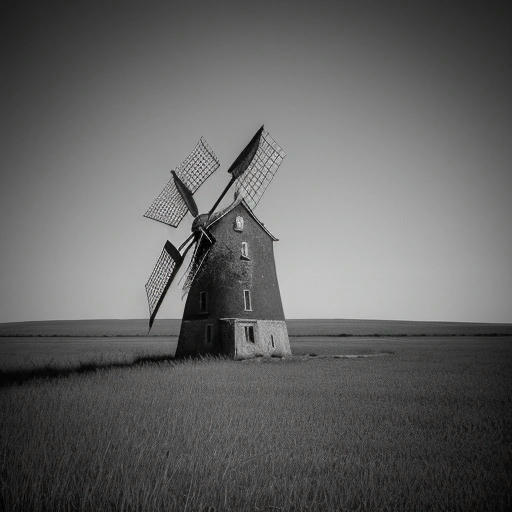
x,y
200,252
199,165
161,277
261,171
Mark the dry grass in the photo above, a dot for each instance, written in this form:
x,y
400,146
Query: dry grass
x,y
27,353
428,428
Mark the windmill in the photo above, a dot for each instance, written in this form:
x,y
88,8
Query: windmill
x,y
221,328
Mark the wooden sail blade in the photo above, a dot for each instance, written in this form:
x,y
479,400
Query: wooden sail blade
x,y
171,205
244,159
186,195
198,166
261,171
240,165
161,277
201,251
168,207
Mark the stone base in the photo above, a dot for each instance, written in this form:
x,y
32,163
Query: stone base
x,y
239,338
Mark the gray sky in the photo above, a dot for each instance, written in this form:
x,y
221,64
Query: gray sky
x,y
393,201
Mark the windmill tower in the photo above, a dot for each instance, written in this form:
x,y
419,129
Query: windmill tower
x,y
233,305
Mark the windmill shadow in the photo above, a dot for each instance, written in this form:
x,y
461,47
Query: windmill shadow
x,y
20,376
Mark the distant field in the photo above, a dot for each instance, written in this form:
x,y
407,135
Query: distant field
x,y
70,344
26,353
91,328
302,327
426,426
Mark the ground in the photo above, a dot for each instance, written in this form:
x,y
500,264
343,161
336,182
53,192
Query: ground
x,y
421,424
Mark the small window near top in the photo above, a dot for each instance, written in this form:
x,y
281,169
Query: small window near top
x,y
203,302
208,334
239,223
245,250
249,333
247,300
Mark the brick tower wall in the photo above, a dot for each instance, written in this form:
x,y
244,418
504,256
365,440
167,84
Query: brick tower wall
x,y
224,276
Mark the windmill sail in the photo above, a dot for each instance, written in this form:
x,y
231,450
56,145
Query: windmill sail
x,y
185,194
251,172
160,279
170,207
252,184
202,249
243,160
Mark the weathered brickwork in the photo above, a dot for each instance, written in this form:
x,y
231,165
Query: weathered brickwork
x,y
224,275
270,338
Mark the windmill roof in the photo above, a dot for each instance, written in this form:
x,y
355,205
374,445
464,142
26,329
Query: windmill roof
x,y
216,216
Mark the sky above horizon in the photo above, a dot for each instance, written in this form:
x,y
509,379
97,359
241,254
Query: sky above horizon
x,y
394,199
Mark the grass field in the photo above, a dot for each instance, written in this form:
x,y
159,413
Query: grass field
x,y
425,426
296,327
69,352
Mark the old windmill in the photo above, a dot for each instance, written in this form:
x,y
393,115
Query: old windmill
x,y
233,305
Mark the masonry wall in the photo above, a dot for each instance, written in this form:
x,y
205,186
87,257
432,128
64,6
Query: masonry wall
x,y
193,341
265,332
224,275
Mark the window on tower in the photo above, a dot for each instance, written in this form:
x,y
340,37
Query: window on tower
x,y
247,300
203,302
249,333
208,334
239,223
245,250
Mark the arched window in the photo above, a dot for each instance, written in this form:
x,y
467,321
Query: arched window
x,y
239,223
245,250
208,334
247,300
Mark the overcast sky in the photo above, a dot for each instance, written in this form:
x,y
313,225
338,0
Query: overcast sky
x,y
394,200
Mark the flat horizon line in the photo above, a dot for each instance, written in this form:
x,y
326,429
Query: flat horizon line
x,y
318,319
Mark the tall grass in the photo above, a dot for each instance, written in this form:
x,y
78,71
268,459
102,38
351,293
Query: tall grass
x,y
29,353
428,428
